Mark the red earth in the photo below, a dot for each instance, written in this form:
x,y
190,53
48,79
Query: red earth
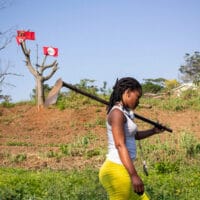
x,y
35,136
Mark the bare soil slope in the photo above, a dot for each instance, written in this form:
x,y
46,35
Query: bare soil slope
x,y
31,139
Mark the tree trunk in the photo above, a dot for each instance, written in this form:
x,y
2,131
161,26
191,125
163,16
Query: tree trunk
x,y
40,92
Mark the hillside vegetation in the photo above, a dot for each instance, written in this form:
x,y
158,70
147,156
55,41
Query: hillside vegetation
x,y
56,152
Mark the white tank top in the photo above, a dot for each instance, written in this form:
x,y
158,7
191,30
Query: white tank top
x,y
130,129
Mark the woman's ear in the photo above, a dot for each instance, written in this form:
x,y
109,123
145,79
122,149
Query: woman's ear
x,y
127,92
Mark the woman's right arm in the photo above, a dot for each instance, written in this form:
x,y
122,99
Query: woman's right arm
x,y
116,120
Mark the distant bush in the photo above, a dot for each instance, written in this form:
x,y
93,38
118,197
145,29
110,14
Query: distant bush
x,y
74,100
7,104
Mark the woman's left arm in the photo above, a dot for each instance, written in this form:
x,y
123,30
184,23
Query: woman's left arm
x,y
147,133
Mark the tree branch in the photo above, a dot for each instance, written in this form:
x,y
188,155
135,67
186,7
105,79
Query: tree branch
x,y
54,69
48,66
28,60
6,37
44,60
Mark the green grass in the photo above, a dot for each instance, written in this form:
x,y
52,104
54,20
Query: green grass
x,y
17,143
173,166
84,185
80,147
174,185
64,185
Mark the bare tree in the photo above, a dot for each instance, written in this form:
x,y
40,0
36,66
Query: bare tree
x,y
4,72
6,37
38,73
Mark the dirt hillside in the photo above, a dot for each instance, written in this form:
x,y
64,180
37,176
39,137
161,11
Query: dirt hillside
x,y
32,139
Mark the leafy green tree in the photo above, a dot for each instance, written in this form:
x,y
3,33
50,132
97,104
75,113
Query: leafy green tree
x,y
153,85
88,85
191,69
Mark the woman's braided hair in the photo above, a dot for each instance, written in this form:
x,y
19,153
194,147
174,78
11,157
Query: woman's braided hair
x,y
120,87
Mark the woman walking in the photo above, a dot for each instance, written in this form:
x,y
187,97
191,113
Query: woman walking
x,y
118,174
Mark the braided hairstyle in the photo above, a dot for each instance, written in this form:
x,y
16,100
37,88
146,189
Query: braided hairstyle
x,y
120,87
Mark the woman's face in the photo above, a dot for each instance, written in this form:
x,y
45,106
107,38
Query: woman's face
x,y
131,98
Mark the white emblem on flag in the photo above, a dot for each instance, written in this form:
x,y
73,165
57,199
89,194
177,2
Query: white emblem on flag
x,y
51,51
20,40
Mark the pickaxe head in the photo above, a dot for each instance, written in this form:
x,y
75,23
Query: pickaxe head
x,y
53,94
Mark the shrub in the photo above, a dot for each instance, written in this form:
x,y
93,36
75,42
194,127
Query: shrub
x,y
189,142
166,167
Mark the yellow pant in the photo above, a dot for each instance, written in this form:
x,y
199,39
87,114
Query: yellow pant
x,y
116,181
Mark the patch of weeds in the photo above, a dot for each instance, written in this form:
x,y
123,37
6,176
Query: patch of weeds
x,y
6,120
29,128
164,167
19,144
66,149
101,122
18,158
85,141
197,148
49,145
4,155
78,148
74,125
61,106
53,154
98,110
93,152
189,143
174,104
71,150
89,125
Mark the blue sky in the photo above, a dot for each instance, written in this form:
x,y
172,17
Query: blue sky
x,y
102,39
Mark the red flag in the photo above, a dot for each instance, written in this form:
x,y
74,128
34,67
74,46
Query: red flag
x,y
21,33
20,39
50,51
24,35
30,35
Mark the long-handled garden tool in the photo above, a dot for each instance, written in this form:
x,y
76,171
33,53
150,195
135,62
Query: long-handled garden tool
x,y
53,95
